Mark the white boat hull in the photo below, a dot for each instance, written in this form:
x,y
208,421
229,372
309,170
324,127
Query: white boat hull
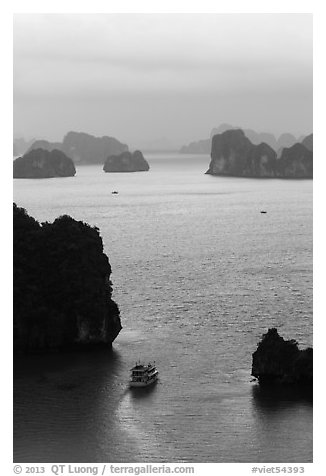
x,y
142,384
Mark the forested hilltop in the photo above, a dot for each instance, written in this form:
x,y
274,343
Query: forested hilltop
x,y
62,288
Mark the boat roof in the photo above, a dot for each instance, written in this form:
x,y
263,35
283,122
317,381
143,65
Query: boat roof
x,y
140,366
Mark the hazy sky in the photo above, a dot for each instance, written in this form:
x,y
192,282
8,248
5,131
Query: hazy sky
x,y
142,77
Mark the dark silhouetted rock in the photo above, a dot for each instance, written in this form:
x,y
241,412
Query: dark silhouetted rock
x,y
46,145
62,289
295,162
279,361
233,154
308,142
126,162
40,163
87,149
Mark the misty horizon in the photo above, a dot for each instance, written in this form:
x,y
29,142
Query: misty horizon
x,y
162,259
156,142
169,78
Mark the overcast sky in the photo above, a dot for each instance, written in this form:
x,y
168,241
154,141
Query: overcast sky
x,y
143,77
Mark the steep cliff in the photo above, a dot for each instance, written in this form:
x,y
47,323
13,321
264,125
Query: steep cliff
x,y
295,162
280,361
126,162
40,163
62,288
233,154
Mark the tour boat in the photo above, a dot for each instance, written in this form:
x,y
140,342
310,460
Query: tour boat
x,y
143,375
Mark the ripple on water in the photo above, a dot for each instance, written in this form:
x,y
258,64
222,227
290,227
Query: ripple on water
x,y
199,277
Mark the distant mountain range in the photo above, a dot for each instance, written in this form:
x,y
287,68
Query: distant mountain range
x,y
82,148
204,146
20,145
46,159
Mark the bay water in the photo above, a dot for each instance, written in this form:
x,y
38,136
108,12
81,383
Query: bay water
x,y
199,275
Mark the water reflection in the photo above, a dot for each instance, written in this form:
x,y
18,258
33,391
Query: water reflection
x,y
269,397
82,409
59,403
142,392
282,424
43,365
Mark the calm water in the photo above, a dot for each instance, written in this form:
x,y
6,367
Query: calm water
x,y
199,275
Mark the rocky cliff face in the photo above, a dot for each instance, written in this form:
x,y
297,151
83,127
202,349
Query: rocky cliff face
x,y
280,361
126,162
87,149
40,163
233,154
295,162
62,288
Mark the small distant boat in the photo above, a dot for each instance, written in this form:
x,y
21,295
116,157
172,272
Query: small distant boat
x,y
143,375
263,211
114,192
